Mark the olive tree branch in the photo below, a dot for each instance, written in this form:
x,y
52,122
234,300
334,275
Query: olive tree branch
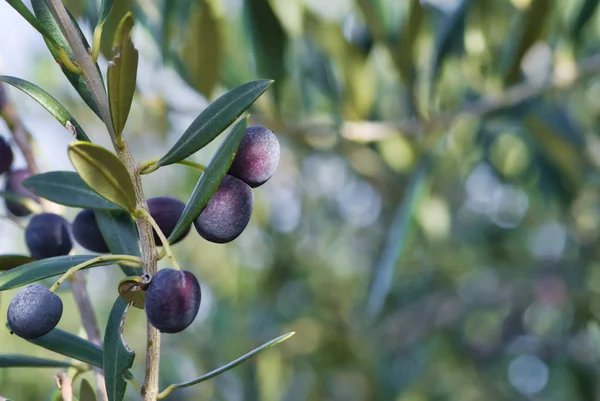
x,y
93,80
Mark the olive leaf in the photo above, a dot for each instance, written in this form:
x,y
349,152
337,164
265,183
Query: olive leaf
x,y
122,73
214,119
104,172
66,188
210,179
118,357
52,105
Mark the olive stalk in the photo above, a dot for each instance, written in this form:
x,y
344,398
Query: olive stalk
x,y
92,78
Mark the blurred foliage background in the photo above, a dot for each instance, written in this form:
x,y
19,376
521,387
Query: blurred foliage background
x,y
431,231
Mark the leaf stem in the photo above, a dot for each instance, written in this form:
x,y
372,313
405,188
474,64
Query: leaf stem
x,y
161,235
195,165
72,270
224,368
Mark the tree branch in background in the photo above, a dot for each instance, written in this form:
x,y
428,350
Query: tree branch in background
x,y
372,131
78,285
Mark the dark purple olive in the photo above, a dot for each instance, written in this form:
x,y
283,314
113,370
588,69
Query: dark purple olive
x,y
34,311
172,300
257,157
47,235
14,178
227,213
87,233
6,156
166,211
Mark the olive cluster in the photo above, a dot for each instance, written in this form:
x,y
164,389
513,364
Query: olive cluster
x,y
172,296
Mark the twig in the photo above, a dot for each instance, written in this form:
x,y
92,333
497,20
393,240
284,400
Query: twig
x,y
23,140
63,381
147,246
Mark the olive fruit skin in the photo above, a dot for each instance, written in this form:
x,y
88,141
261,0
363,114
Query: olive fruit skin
x,y
34,311
166,211
13,185
227,213
172,300
87,233
6,156
47,235
257,156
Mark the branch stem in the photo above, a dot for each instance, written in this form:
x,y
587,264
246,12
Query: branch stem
x,y
165,242
92,77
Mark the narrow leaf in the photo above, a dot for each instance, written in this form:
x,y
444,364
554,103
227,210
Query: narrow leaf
x,y
397,238
52,105
202,50
24,361
110,25
86,391
214,119
104,172
231,364
121,236
70,345
118,357
210,179
534,24
67,188
41,269
22,9
46,19
585,14
8,262
122,73
105,11
269,39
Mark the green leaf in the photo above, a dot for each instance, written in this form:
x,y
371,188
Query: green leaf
x,y
22,9
52,105
41,269
215,119
534,24
210,179
397,237
230,365
269,40
451,32
86,391
585,14
118,357
46,19
122,73
111,23
105,11
24,361
67,188
70,345
104,172
201,53
8,262
121,236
